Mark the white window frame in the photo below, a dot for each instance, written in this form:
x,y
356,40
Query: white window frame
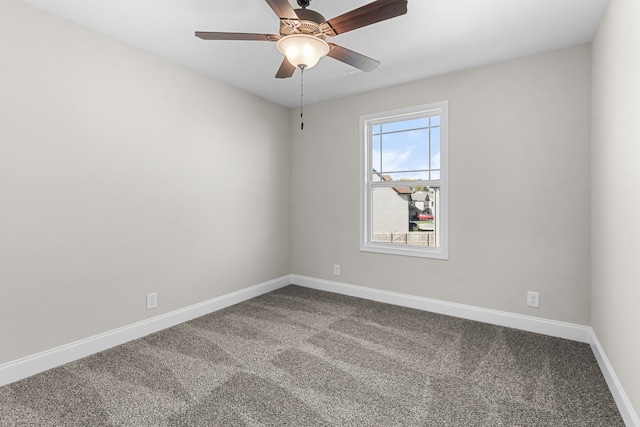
x,y
441,251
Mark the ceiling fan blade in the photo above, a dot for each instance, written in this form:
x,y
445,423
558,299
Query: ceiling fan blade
x,y
283,9
206,35
352,58
368,14
286,69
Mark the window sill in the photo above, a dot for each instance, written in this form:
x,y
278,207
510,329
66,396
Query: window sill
x,y
391,249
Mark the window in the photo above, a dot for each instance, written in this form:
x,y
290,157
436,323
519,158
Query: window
x,y
403,201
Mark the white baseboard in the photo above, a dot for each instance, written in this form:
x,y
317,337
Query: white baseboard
x,y
553,328
31,365
518,321
629,415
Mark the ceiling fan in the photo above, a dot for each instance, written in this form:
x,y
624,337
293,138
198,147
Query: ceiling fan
x,y
303,32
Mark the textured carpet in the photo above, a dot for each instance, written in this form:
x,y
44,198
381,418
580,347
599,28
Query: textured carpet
x,y
300,357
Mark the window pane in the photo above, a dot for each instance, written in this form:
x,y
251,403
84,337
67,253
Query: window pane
x,y
405,151
404,215
435,120
435,148
422,122
406,176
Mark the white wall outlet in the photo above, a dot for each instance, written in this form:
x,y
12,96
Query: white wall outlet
x,y
152,300
533,299
336,269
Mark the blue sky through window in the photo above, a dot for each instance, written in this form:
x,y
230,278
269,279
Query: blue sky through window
x,y
407,149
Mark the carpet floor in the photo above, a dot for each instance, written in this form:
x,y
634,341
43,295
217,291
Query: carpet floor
x,y
301,357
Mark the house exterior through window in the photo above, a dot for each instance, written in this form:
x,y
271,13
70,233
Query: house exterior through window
x,y
403,203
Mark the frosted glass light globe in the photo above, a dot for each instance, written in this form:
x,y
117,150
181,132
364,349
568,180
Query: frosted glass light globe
x,y
303,50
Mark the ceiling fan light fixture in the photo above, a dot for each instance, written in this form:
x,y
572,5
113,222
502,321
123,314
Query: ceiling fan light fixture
x,y
303,50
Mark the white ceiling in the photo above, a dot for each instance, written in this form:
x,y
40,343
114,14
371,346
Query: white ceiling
x,y
434,37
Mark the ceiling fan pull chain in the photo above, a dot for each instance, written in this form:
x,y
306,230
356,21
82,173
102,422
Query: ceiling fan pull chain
x,y
301,96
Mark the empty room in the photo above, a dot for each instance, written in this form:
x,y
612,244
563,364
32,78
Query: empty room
x,y
293,212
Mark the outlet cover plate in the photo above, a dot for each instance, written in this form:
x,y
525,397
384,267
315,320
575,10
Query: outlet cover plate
x,y
152,300
533,299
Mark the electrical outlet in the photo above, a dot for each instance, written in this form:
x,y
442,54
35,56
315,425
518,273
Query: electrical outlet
x,y
152,300
533,299
336,269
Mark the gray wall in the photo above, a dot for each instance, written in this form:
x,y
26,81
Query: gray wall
x,y
519,188
615,223
122,174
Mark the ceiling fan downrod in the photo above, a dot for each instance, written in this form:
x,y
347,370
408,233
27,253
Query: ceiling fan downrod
x,y
304,3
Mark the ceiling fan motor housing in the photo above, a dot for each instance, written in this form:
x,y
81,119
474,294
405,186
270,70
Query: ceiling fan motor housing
x,y
309,23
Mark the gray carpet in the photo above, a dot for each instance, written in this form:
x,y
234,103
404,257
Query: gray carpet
x,y
300,357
